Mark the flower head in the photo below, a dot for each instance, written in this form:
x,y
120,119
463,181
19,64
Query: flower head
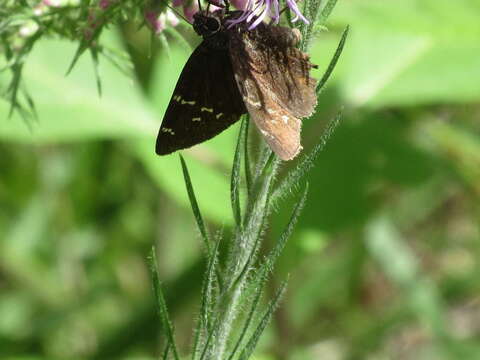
x,y
104,4
239,4
52,3
255,12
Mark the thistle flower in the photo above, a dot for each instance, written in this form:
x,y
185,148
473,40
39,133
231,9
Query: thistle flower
x,y
239,4
255,12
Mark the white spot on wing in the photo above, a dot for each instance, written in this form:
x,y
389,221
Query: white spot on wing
x,y
256,104
266,134
196,119
188,102
219,115
210,110
285,119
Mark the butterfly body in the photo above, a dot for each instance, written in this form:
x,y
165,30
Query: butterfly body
x,y
235,71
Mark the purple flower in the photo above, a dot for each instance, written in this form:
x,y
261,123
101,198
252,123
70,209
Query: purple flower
x,y
298,15
239,4
158,21
255,11
52,3
188,11
104,4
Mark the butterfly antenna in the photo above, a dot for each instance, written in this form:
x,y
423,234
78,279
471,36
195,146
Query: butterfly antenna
x,y
199,5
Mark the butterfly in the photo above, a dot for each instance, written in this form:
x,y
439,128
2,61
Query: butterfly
x,y
235,71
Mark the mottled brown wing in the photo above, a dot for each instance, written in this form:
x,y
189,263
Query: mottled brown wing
x,y
273,78
205,101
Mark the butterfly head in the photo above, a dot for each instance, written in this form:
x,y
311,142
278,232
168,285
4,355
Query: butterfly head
x,y
207,24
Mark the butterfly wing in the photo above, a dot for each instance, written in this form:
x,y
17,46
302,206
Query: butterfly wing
x,y
273,78
205,101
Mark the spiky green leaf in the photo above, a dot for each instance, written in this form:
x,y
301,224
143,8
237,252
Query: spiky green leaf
x,y
161,304
333,61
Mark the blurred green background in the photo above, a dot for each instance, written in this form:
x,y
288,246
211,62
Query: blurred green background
x,y
384,264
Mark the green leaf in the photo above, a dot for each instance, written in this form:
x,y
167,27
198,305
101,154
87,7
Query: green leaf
x,y
94,54
287,232
306,163
161,305
198,216
246,156
166,351
250,317
236,176
261,275
194,204
333,61
326,11
252,342
204,322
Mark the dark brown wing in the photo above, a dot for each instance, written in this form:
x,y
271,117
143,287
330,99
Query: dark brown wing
x,y
273,78
205,101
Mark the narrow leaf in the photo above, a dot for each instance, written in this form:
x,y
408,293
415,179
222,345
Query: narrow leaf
x,y
333,61
121,61
267,162
161,304
287,232
262,160
307,162
213,331
248,169
326,11
198,214
261,276
261,190
250,317
94,54
13,88
204,322
166,351
255,222
194,205
80,50
253,341
30,102
85,44
235,178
